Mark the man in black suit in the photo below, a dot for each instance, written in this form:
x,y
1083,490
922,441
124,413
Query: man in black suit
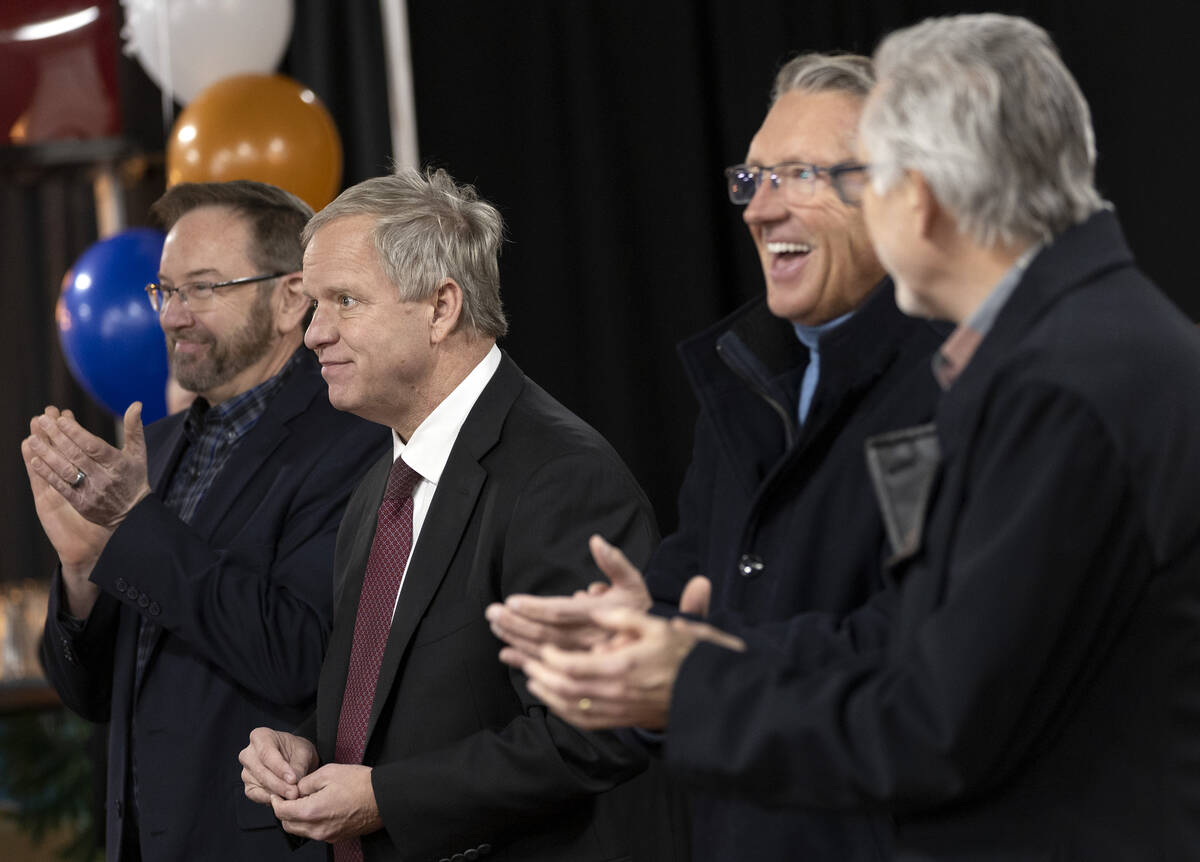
x,y
194,597
425,747
1024,690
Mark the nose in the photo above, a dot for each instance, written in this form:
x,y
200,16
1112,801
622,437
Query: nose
x,y
175,315
765,206
321,330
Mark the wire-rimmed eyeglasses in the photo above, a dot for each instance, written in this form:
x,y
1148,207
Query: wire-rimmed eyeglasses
x,y
197,295
797,180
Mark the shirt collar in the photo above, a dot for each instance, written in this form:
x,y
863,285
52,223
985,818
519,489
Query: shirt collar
x,y
238,414
810,336
428,450
957,350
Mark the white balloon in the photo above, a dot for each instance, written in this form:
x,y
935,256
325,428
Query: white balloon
x,y
185,45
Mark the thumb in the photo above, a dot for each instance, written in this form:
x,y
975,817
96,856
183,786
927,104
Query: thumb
x,y
313,782
615,564
135,436
697,596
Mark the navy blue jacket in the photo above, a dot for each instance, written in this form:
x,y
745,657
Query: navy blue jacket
x,y
783,519
243,599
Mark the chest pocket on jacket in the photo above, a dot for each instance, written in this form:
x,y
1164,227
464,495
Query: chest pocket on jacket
x,y
904,467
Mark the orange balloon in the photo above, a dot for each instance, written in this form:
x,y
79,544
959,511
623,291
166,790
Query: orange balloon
x,y
258,127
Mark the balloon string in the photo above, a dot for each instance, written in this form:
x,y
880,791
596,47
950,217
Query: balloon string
x,y
164,58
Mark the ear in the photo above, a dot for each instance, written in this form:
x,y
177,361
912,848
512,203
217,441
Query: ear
x,y
447,303
290,303
927,213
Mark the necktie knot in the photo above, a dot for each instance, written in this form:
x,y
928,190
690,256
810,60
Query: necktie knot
x,y
401,481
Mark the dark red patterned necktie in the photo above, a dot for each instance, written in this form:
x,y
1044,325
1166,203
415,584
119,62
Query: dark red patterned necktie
x,y
385,570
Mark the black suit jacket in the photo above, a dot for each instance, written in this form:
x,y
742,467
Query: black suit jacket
x,y
465,760
1027,689
243,599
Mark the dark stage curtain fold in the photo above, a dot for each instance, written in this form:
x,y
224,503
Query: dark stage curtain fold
x,y
47,221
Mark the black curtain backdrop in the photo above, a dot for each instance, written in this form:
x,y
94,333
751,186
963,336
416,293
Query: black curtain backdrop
x,y
47,220
600,128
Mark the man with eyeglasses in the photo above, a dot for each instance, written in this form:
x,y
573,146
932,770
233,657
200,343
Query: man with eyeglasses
x,y
194,596
777,509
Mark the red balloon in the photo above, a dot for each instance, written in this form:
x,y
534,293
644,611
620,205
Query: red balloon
x,y
258,127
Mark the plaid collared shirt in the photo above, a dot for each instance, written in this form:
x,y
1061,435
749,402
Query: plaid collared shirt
x,y
213,434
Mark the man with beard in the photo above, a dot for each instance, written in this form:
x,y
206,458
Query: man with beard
x,y
193,600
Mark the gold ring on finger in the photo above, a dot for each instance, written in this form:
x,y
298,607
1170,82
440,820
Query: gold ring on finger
x,y
585,703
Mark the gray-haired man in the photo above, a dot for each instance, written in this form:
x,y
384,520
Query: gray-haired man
x,y
423,746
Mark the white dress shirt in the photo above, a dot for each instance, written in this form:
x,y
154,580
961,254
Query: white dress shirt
x,y
428,450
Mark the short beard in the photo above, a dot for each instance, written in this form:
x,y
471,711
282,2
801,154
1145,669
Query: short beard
x,y
229,356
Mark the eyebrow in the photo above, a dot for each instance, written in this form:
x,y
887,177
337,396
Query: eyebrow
x,y
195,273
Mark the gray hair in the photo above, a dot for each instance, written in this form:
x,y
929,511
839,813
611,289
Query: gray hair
x,y
427,228
983,107
823,73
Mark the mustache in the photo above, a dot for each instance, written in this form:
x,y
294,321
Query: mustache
x,y
190,339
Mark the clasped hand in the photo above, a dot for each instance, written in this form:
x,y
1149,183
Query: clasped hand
x,y
328,803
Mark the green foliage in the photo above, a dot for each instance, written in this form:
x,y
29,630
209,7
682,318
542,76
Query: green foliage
x,y
46,779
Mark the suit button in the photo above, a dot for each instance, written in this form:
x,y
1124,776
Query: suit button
x,y
472,855
143,600
132,593
122,585
154,610
458,857
485,849
444,859
750,566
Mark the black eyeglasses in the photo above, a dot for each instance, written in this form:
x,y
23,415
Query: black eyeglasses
x,y
797,180
197,295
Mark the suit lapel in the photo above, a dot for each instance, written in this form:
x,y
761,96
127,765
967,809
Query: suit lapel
x,y
450,512
164,456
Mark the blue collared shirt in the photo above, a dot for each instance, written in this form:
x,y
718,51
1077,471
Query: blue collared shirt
x,y
810,337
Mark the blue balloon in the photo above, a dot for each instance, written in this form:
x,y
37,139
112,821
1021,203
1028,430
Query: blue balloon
x,y
109,334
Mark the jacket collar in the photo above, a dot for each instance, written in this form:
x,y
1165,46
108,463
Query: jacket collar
x,y
1076,257
746,371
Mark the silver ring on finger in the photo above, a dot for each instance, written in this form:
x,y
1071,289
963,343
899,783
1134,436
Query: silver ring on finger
x,y
79,477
